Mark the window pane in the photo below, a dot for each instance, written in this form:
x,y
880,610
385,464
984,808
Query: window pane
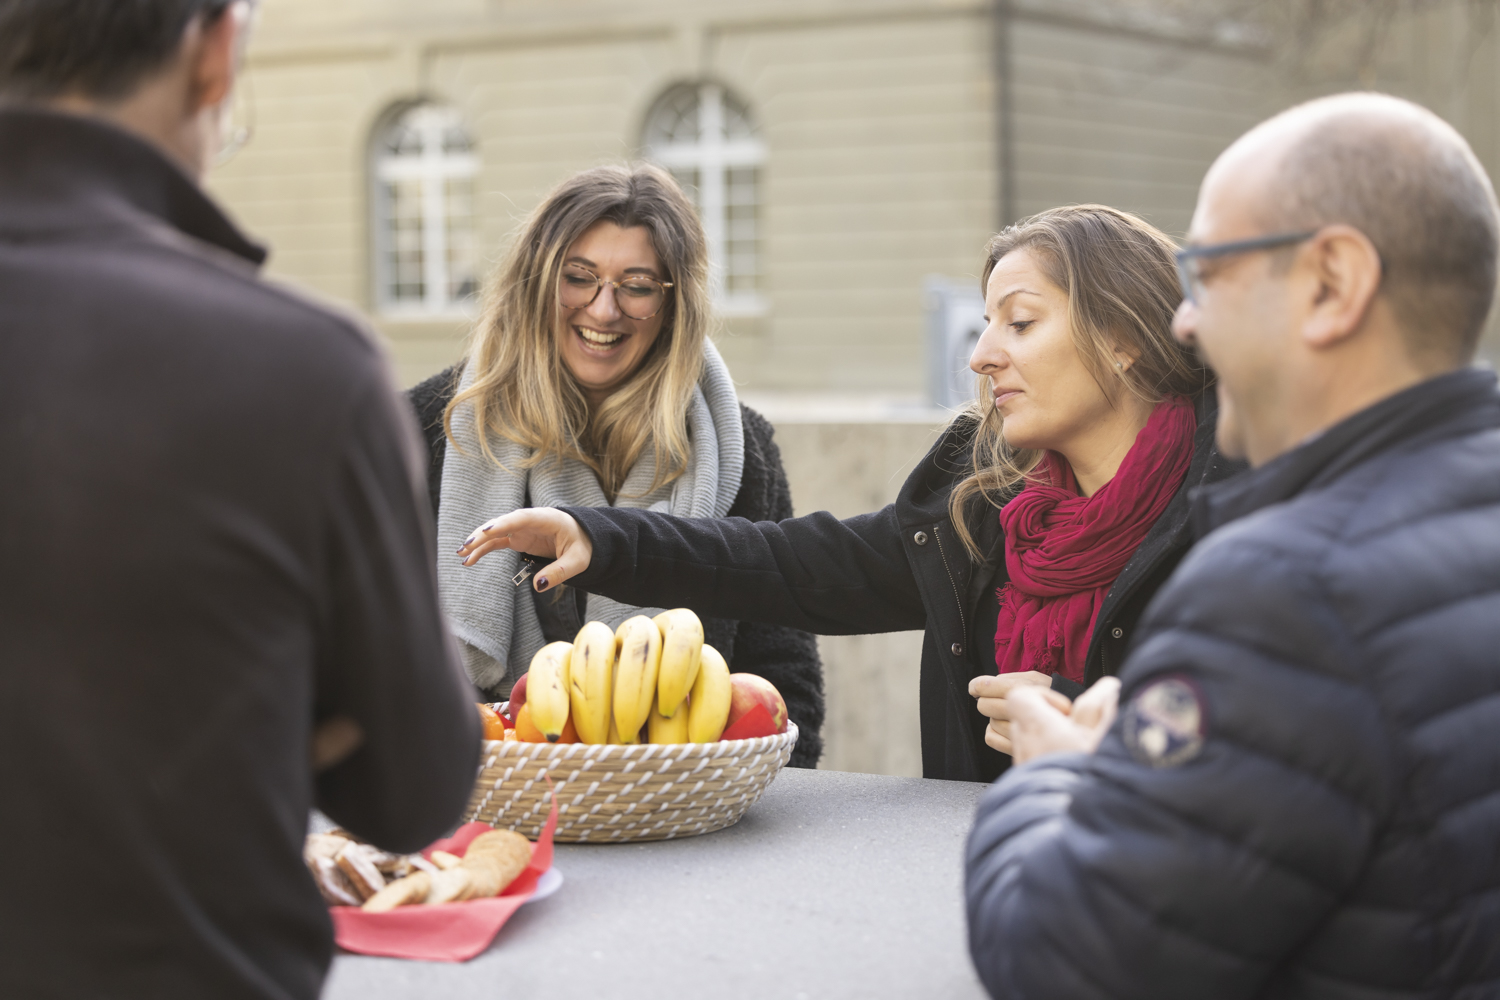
x,y
741,230
675,117
687,179
435,154
458,199
674,137
737,121
403,139
456,140
403,243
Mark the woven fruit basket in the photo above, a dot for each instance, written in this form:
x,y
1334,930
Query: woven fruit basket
x,y
617,794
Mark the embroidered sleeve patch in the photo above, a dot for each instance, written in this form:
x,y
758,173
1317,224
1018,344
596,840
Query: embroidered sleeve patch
x,y
1163,725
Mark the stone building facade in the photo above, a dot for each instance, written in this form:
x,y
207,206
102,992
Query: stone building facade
x,y
842,151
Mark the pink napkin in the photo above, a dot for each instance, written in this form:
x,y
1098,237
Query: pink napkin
x,y
447,932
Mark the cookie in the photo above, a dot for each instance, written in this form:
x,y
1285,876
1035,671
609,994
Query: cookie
x,y
402,892
452,885
496,858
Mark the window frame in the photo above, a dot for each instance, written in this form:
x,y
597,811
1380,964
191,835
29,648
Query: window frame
x,y
432,168
712,156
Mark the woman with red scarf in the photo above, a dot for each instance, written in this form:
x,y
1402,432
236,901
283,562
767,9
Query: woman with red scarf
x,y
1029,540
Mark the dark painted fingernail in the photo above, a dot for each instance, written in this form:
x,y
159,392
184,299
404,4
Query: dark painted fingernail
x,y
541,583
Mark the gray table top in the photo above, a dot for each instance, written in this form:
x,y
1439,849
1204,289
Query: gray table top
x,y
833,885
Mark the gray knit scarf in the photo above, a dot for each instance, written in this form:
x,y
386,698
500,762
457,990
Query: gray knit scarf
x,y
496,620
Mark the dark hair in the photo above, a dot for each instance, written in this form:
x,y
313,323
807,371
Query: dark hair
x,y
102,49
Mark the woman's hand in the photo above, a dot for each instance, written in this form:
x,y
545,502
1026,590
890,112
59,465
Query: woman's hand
x,y
1043,721
538,531
993,690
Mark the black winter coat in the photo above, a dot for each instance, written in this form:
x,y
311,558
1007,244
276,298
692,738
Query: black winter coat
x,y
895,569
787,657
269,567
1301,796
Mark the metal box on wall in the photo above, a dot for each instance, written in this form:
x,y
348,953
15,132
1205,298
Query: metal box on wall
x,y
955,321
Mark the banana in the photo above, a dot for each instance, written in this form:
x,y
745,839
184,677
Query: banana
x,y
668,729
547,689
708,708
682,644
639,642
591,680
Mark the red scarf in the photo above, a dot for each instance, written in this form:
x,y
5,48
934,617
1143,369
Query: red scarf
x,y
1063,551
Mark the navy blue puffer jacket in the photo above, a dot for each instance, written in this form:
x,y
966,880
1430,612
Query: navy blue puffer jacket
x,y
1301,796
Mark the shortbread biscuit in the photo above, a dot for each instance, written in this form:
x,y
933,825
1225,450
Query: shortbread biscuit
x,y
496,858
402,892
451,886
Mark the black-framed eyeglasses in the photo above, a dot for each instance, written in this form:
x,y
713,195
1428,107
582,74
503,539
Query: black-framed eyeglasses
x,y
1188,257
638,296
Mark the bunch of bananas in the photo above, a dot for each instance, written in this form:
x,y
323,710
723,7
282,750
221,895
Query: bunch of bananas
x,y
650,680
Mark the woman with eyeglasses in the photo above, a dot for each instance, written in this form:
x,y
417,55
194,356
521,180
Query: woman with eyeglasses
x,y
1029,540
590,381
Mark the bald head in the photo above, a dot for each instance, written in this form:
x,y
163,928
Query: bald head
x,y
1404,178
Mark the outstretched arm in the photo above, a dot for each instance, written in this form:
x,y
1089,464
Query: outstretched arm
x,y
815,572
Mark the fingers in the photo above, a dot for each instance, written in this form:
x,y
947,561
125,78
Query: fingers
x,y
572,561
539,531
1040,724
1031,703
994,708
1057,700
997,736
541,522
992,691
533,529
1000,685
471,554
1095,709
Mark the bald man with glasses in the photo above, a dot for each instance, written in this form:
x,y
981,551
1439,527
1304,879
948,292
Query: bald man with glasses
x,y
1295,791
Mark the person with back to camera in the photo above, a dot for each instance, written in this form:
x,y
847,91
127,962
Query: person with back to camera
x,y
593,372
1300,796
217,605
1028,540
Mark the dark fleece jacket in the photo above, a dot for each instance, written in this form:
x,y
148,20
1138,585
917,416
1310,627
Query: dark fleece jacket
x,y
787,657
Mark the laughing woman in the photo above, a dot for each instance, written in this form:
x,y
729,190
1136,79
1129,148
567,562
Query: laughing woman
x,y
590,382
1028,541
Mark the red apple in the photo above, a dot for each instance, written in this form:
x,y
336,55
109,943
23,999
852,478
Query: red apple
x,y
518,695
746,691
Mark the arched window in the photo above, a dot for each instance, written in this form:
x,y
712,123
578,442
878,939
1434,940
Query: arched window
x,y
426,258
706,137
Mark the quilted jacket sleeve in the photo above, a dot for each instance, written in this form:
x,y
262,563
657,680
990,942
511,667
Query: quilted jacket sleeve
x,y
1148,872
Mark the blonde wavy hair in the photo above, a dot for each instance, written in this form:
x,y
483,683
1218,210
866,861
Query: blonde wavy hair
x,y
1120,276
523,392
